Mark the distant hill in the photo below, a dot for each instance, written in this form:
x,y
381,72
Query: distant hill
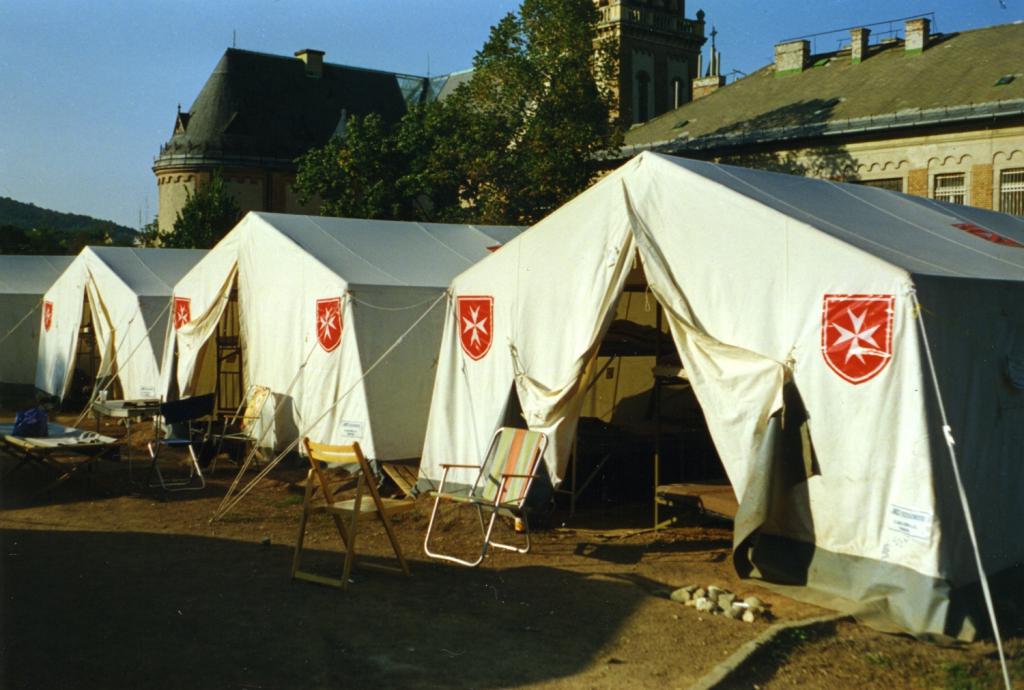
x,y
31,217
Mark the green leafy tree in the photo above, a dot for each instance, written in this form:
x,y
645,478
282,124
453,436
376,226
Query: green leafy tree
x,y
534,114
509,146
149,235
356,174
208,214
16,240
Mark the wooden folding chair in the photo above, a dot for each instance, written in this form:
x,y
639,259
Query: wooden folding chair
x,y
346,513
502,484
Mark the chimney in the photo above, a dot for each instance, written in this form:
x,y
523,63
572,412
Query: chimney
x,y
859,45
916,35
791,57
702,86
314,61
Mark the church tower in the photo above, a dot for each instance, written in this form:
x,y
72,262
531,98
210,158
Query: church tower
x,y
658,51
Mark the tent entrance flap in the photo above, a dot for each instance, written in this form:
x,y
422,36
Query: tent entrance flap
x,y
640,424
89,363
219,365
230,357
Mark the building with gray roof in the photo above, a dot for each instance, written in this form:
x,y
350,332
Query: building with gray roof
x,y
933,114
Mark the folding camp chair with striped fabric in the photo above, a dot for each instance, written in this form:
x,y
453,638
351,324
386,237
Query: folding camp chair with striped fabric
x,y
501,488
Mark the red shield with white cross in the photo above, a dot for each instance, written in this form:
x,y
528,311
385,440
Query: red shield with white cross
x,y
47,314
328,323
182,311
990,235
856,335
476,324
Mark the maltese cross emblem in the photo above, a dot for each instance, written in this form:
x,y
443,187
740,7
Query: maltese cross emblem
x,y
856,335
476,325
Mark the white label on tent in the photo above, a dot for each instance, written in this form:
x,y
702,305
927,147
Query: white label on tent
x,y
916,524
350,429
147,392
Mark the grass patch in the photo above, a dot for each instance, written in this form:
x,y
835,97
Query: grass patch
x,y
879,660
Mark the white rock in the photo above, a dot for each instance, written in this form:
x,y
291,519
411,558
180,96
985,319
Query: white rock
x,y
749,616
681,595
753,602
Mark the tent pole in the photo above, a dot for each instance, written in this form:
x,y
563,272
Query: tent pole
x,y
657,411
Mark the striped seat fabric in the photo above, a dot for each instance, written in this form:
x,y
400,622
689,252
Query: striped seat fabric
x,y
513,457
501,487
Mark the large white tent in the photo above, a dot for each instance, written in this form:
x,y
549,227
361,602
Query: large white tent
x,y
320,301
798,307
128,292
23,280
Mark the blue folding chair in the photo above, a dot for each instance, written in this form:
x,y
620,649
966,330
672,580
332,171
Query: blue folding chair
x,y
176,427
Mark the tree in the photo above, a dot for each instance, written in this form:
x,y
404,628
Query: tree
x,y
208,214
149,235
509,146
356,174
534,114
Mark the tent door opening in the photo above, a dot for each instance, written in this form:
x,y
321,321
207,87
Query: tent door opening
x,y
641,427
230,385
88,364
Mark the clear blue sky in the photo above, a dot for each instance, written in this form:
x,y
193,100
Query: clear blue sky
x,y
89,88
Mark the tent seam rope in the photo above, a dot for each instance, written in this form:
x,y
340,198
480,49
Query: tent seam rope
x,y
837,227
925,229
364,303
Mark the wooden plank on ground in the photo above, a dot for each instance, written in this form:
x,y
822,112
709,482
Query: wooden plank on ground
x,y
712,498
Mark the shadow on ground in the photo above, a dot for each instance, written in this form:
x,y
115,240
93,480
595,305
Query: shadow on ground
x,y
201,612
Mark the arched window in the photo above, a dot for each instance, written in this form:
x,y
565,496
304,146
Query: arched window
x,y
643,90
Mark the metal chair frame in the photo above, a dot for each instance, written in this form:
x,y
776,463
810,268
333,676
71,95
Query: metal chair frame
x,y
244,416
184,411
498,505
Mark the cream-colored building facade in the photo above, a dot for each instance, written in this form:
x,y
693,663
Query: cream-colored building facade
x,y
934,115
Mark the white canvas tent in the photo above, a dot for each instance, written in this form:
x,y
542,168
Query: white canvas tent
x,y
128,292
23,280
320,301
796,305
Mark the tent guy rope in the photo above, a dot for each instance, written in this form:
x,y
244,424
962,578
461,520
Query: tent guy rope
x,y
227,505
110,379
266,429
947,432
21,321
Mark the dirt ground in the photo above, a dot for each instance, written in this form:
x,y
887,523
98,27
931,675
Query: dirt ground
x,y
105,585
